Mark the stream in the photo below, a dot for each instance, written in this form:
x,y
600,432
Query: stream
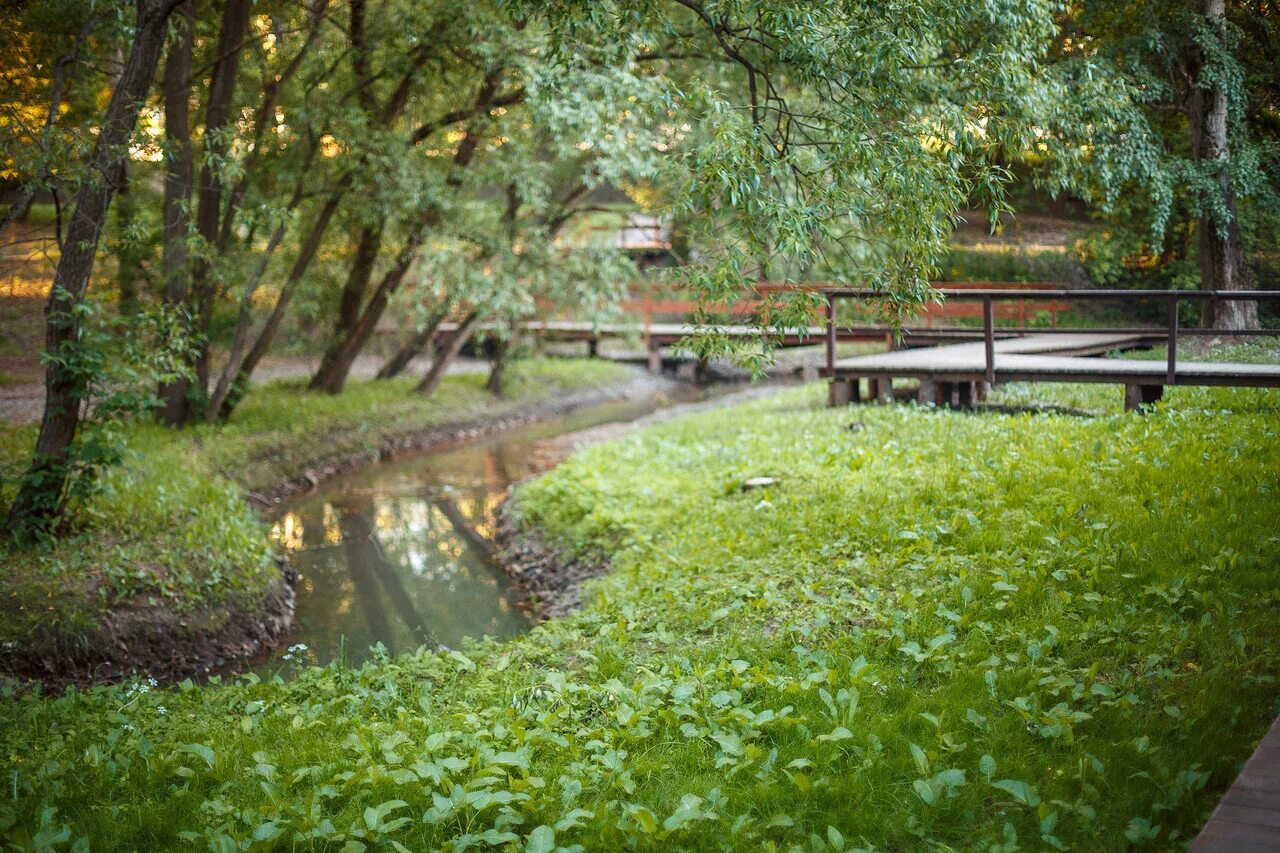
x,y
400,554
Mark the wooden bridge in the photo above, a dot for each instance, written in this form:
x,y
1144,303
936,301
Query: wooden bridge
x,y
960,375
658,319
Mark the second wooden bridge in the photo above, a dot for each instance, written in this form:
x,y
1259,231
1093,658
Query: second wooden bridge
x,y
961,374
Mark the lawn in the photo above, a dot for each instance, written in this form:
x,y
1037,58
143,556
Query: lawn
x,y
170,538
937,630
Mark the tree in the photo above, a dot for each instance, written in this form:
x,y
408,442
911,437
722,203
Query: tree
x,y
42,493
1187,157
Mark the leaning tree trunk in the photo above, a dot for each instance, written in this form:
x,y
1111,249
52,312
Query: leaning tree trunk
x,y
415,346
448,353
1223,264
333,372
42,494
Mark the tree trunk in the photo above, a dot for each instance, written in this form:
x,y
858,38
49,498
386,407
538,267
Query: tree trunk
x,y
128,253
333,372
498,360
209,192
42,495
1223,264
265,118
244,319
349,308
177,190
448,353
415,346
262,344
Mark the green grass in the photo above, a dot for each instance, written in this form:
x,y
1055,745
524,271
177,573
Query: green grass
x,y
938,630
171,532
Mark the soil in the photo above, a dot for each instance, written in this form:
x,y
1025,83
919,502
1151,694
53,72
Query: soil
x,y
552,582
157,643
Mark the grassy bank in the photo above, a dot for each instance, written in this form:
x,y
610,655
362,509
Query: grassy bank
x,y
171,548
937,629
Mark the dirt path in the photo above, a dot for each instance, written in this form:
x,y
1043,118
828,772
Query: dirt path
x,y
22,403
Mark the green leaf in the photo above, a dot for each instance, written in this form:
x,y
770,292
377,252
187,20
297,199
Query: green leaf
x,y
1021,791
202,751
541,840
921,759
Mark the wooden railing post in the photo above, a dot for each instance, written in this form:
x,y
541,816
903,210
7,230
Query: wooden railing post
x,y
1172,367
989,337
831,335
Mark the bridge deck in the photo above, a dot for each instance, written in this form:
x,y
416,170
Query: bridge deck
x,y
1248,818
1052,358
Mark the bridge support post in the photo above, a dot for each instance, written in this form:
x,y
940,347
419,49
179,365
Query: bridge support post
x,y
880,390
841,391
655,356
927,395
1137,396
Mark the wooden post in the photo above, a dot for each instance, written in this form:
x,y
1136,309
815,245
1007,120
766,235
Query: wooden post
x,y
655,355
1136,397
989,338
840,392
831,334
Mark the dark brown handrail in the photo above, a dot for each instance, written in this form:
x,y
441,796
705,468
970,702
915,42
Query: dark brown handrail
x,y
989,295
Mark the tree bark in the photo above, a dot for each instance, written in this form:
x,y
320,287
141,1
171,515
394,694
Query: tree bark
x,y
1223,263
333,372
262,344
499,357
209,192
264,118
415,346
448,353
244,319
42,495
177,190
128,254
349,305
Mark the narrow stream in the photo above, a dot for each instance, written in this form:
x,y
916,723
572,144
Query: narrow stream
x,y
400,553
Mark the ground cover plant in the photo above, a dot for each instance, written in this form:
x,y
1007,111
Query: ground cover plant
x,y
170,530
936,630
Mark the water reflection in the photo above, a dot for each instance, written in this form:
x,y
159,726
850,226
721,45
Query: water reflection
x,y
401,553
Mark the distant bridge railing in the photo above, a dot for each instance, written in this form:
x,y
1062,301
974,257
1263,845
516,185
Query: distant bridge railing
x,y
989,296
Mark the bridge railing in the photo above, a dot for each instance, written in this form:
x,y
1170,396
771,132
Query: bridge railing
x,y
989,296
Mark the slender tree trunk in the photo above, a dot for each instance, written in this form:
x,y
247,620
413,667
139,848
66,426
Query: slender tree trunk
x,y
265,118
1223,263
333,373
262,344
42,494
349,306
499,358
177,189
244,320
448,353
209,192
421,341
128,255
